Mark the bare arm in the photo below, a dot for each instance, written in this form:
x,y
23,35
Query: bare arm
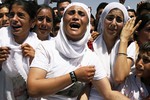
x,y
38,85
123,64
104,89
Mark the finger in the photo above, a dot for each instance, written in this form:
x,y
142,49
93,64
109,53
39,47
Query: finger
x,y
137,25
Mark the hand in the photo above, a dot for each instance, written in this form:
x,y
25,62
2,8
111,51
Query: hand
x,y
28,50
94,35
85,73
128,29
4,53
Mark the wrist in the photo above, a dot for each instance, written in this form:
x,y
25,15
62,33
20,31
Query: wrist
x,y
73,77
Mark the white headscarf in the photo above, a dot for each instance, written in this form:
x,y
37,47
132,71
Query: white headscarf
x,y
69,48
107,9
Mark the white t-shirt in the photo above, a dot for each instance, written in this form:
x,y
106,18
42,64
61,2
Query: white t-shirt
x,y
48,58
17,86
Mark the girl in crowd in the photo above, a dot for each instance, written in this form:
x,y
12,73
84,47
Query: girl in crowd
x,y
111,45
61,67
17,46
44,22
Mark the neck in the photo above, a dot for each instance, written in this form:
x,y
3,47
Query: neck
x,y
20,39
109,43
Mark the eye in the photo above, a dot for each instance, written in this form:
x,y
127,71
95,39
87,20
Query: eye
x,y
119,19
62,9
48,19
71,12
146,60
40,18
21,15
1,15
110,17
11,15
81,13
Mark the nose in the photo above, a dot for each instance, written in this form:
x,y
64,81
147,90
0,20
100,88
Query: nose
x,y
139,63
14,19
5,17
76,17
114,21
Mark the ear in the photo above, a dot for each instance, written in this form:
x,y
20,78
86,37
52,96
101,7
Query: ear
x,y
33,22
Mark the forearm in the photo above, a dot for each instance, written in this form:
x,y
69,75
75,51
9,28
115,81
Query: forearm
x,y
121,67
43,87
104,89
115,95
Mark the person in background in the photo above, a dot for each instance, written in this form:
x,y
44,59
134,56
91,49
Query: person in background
x,y
99,10
17,48
94,34
115,27
61,67
61,5
4,14
56,26
131,13
55,10
44,22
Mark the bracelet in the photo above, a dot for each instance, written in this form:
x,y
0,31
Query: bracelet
x,y
73,76
122,54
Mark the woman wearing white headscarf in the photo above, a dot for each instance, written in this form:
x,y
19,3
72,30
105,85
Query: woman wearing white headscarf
x,y
61,67
111,46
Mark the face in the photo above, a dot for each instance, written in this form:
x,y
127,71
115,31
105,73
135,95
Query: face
x,y
131,14
56,12
92,24
144,34
143,66
75,23
44,23
62,7
4,16
20,21
98,14
56,29
113,23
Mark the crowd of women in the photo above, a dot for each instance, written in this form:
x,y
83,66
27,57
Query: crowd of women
x,y
38,63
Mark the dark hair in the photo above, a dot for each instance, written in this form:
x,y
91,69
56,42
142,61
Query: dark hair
x,y
143,6
61,1
145,18
144,52
44,6
29,6
145,47
101,6
4,5
132,10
